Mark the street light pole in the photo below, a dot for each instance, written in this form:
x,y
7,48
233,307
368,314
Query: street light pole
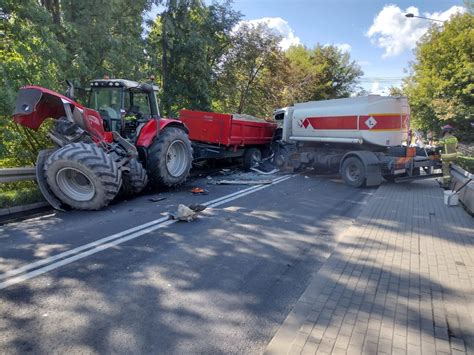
x,y
410,15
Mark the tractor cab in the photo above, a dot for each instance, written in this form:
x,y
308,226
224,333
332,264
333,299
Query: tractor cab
x,y
124,105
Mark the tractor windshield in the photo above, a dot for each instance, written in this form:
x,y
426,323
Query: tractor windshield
x,y
108,101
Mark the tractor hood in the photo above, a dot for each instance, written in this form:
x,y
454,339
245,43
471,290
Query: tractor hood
x,y
34,104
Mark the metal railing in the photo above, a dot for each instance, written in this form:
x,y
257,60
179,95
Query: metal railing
x,y
17,174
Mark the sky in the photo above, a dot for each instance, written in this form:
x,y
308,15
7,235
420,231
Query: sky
x,y
376,33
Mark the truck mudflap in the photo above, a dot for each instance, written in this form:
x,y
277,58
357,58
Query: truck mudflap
x,y
41,179
372,164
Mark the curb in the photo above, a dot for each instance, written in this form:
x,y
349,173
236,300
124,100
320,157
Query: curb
x,y
23,208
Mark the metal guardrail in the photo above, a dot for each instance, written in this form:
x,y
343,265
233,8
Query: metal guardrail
x,y
466,195
17,174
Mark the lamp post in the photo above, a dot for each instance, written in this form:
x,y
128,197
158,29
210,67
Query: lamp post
x,y
410,15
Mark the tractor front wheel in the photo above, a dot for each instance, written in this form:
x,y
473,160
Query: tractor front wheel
x,y
134,180
82,176
170,158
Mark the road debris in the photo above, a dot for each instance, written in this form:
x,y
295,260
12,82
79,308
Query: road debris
x,y
156,199
185,213
198,190
271,172
240,182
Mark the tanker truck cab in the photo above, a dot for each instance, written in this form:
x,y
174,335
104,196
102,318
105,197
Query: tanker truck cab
x,y
360,137
283,117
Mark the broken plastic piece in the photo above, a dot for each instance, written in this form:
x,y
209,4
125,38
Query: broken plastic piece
x,y
197,190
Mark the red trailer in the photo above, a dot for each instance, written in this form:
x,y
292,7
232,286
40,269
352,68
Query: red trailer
x,y
218,135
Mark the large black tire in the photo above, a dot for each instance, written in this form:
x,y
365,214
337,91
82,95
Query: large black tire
x,y
252,157
82,176
353,172
170,158
135,180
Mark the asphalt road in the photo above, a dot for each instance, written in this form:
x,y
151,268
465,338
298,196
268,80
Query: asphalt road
x,y
221,284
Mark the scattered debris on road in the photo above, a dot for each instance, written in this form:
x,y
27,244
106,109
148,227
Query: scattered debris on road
x,y
156,199
271,172
240,182
199,191
185,213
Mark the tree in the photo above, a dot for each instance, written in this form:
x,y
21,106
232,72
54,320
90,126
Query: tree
x,y
189,38
250,79
395,91
103,38
322,73
441,84
31,54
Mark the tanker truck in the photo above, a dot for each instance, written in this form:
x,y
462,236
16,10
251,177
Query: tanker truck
x,y
361,137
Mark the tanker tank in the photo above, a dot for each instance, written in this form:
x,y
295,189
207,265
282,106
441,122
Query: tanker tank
x,y
373,120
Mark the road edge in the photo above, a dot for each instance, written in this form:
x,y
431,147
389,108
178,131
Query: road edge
x,y
282,340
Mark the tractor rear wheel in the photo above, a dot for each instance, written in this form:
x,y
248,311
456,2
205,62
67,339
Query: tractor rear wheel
x,y
82,176
135,180
170,158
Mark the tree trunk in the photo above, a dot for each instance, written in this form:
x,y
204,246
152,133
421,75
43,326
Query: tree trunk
x,y
53,7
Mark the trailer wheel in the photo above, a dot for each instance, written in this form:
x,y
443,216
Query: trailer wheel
x,y
83,176
353,172
135,180
252,157
170,158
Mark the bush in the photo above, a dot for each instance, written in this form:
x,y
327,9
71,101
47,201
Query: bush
x,y
467,163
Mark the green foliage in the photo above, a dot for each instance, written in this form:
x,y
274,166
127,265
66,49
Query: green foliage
x,y
257,76
251,75
440,88
467,163
29,54
322,73
102,38
190,38
14,195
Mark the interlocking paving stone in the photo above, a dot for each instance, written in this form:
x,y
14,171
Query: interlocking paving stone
x,y
400,280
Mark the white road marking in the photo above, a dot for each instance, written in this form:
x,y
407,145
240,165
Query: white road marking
x,y
113,240
98,242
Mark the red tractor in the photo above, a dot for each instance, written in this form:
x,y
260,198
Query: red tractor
x,y
114,146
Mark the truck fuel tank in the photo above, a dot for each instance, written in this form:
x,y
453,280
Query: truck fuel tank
x,y
375,120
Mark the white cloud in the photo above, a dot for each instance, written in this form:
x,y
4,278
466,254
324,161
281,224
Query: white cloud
x,y
377,89
395,33
345,47
279,27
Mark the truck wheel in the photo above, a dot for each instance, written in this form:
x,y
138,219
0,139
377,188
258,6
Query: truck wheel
x,y
252,157
353,172
135,180
83,176
170,158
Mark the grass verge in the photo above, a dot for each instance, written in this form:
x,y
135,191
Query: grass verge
x,y
467,163
11,196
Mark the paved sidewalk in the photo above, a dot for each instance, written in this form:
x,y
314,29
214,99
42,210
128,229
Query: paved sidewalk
x,y
401,280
